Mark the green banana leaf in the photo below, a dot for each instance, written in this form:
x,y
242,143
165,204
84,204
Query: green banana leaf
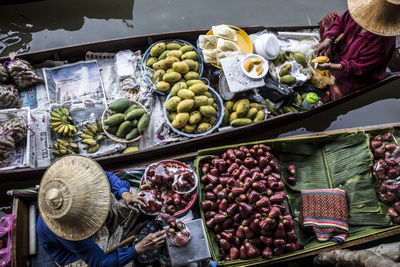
x,y
337,160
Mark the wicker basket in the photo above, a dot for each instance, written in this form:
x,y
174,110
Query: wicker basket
x,y
107,112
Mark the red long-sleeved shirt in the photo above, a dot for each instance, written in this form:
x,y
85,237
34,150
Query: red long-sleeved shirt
x,y
363,56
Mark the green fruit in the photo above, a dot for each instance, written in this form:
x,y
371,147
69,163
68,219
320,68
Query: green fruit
x,y
204,127
200,100
189,128
158,75
160,65
119,105
192,82
185,105
186,48
163,55
229,106
135,114
172,77
285,70
175,53
180,120
210,101
180,67
189,55
225,119
151,61
241,122
173,46
172,103
280,58
198,88
242,107
124,129
112,129
178,86
288,79
162,86
130,109
134,123
191,75
191,63
171,116
170,60
208,94
115,119
259,116
132,134
185,94
157,49
300,58
207,111
169,70
194,117
143,123
251,114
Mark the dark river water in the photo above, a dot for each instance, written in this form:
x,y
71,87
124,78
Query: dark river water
x,y
52,23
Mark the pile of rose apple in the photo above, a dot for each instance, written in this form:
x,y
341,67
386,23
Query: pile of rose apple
x,y
244,203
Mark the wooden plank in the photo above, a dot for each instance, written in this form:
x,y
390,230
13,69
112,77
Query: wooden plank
x,y
20,233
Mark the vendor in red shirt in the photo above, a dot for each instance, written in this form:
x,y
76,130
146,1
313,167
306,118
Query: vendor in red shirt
x,y
360,44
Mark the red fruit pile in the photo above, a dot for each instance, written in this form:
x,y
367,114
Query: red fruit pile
x,y
387,157
159,182
386,170
244,204
177,232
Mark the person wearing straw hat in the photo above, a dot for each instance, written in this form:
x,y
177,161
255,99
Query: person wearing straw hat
x,y
360,44
75,201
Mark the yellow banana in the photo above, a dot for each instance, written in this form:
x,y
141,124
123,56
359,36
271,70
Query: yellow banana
x,y
56,129
62,142
93,149
91,127
55,124
61,129
66,130
65,111
86,131
86,136
90,142
63,151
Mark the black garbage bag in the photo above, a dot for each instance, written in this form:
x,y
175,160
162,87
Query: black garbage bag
x,y
277,92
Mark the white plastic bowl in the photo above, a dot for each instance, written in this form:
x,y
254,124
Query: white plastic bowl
x,y
267,46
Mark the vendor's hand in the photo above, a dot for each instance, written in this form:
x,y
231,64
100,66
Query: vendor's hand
x,y
131,200
328,66
151,242
321,48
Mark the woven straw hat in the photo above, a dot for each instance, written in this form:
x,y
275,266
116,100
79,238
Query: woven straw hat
x,y
74,197
381,17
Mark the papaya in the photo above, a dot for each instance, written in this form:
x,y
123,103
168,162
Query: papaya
x,y
119,105
143,123
124,129
115,119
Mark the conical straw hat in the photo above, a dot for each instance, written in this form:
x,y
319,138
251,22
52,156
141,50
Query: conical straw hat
x,y
74,197
381,17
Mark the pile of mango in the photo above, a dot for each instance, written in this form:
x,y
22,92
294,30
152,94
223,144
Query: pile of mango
x,y
127,121
191,107
172,62
295,106
242,112
285,72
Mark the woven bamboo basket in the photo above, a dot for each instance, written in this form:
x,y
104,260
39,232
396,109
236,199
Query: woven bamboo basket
x,y
107,112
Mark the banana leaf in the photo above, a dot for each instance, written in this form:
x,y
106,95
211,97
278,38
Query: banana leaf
x,y
337,160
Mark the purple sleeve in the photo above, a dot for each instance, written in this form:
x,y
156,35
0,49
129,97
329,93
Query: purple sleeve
x,y
117,186
337,27
369,57
65,251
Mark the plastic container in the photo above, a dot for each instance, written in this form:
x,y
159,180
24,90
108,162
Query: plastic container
x,y
267,45
219,114
309,102
184,211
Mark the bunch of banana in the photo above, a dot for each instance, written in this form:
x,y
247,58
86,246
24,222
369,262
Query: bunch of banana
x,y
61,122
91,136
64,147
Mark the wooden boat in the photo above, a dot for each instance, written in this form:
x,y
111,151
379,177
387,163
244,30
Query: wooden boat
x,y
389,234
31,176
